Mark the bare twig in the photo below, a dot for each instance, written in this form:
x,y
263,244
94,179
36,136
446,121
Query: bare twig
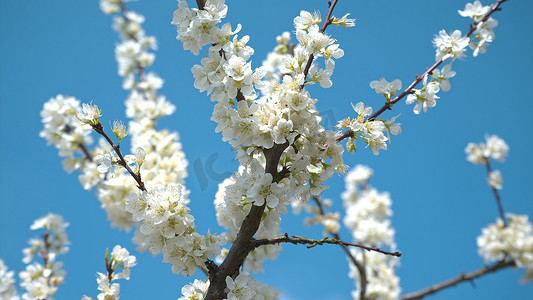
x,y
456,280
361,268
327,22
140,69
312,243
496,194
122,162
82,146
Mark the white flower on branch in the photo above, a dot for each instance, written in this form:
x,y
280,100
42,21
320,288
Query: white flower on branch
x,y
475,10
443,76
514,241
495,179
450,46
425,97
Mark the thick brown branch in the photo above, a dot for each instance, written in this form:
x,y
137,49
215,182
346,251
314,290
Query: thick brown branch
x,y
461,278
243,242
312,243
201,4
242,245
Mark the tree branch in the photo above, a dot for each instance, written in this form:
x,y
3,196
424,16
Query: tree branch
x,y
493,9
201,4
361,268
496,194
82,147
312,243
461,278
242,245
418,79
327,22
122,162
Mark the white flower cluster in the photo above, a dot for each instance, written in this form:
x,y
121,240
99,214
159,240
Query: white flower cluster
x,y
197,27
385,88
367,216
7,283
243,287
111,6
285,115
41,280
424,97
67,134
233,201
498,242
382,282
483,34
427,95
370,132
273,64
157,151
450,45
194,291
167,227
495,148
120,259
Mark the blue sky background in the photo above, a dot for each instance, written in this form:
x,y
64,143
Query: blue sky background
x,y
441,201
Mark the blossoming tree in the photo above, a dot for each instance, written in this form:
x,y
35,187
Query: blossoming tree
x,y
285,156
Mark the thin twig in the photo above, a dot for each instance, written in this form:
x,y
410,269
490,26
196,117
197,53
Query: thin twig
x,y
327,22
493,9
312,243
456,280
122,162
140,69
361,268
496,194
82,146
418,79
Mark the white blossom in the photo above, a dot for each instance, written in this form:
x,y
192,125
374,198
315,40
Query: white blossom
x,y
494,147
425,97
475,10
385,88
450,46
514,241
89,114
495,179
7,283
40,281
443,76
195,291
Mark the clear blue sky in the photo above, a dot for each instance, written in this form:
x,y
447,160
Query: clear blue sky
x,y
441,201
